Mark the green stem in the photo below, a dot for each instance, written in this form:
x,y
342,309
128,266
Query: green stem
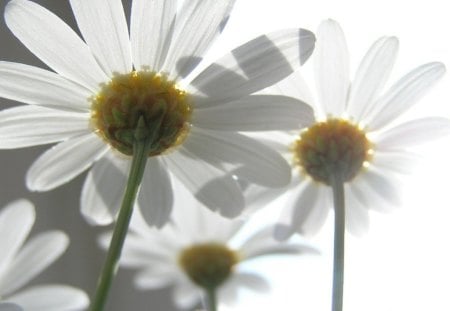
x,y
110,267
339,242
212,299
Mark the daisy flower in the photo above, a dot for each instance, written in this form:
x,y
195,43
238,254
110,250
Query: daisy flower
x,y
354,133
352,155
198,250
105,86
21,261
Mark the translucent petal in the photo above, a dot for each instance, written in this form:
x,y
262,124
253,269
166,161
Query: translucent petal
x,y
404,94
255,113
104,28
103,190
371,76
151,30
254,66
51,298
35,86
332,68
33,258
198,23
55,43
253,161
64,162
155,195
209,184
25,126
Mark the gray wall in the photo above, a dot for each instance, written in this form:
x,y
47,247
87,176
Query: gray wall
x,y
59,209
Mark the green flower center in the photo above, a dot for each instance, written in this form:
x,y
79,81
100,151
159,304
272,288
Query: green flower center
x,y
332,147
164,108
208,265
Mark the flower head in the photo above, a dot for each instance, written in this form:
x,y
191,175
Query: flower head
x,y
21,261
354,134
102,86
199,250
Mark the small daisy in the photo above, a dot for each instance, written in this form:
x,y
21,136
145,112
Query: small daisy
x,y
19,263
353,133
352,156
199,250
106,86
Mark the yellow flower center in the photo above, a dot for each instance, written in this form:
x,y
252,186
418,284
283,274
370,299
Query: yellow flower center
x,y
335,146
208,265
146,95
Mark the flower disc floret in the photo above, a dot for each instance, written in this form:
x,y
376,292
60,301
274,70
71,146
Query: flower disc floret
x,y
208,265
332,147
146,95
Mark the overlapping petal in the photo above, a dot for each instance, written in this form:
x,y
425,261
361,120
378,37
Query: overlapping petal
x,y
35,86
54,42
26,126
104,28
64,162
262,61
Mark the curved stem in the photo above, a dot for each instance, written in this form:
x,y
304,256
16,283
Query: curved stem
x,y
110,267
339,242
212,299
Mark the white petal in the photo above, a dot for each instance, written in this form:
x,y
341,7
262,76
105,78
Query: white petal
x,y
262,61
6,306
293,86
104,28
155,196
404,94
356,214
186,295
254,161
371,76
64,162
35,86
228,293
16,220
414,133
261,243
198,23
198,222
210,185
55,43
52,298
25,126
376,191
255,113
152,278
395,161
151,30
310,214
332,68
103,191
33,258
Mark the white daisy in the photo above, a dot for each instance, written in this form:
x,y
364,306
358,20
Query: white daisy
x,y
21,261
199,249
104,84
353,133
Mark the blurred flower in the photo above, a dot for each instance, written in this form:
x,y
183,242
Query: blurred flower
x,y
19,263
354,133
199,249
101,88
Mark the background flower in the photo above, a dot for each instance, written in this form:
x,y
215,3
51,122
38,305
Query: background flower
x,y
21,261
364,106
157,254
